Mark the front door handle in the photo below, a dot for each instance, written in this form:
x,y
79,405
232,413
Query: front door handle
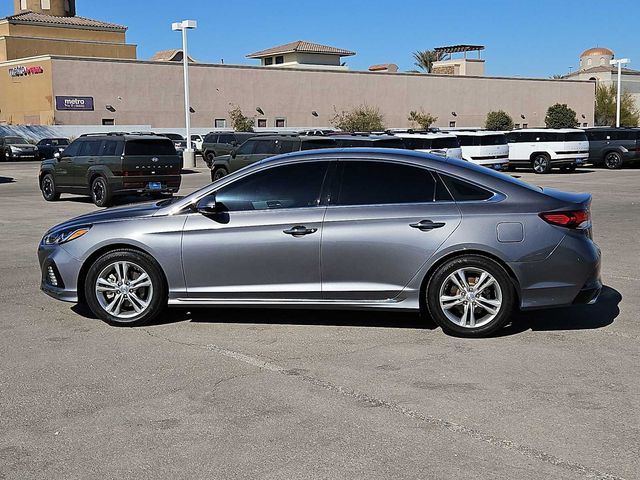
x,y
300,231
425,225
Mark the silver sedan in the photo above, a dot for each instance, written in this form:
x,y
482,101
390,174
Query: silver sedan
x,y
336,229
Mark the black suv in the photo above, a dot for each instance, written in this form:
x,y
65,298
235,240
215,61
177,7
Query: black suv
x,y
613,147
216,144
48,147
258,148
103,166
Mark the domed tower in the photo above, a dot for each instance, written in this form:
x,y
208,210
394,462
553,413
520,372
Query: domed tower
x,y
595,57
57,8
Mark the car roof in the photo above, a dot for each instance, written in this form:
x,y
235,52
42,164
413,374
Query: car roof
x,y
121,136
475,133
548,130
359,136
425,135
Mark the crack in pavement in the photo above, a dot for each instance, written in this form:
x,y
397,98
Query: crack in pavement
x,y
524,450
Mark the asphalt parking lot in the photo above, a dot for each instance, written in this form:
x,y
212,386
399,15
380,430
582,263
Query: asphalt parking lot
x,y
272,394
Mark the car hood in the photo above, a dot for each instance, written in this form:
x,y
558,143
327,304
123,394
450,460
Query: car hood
x,y
128,212
22,145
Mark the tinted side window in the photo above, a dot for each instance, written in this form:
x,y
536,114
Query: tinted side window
x,y
376,183
413,143
287,146
575,137
463,191
246,148
265,147
111,148
319,143
73,149
90,148
465,140
288,186
226,138
445,142
210,138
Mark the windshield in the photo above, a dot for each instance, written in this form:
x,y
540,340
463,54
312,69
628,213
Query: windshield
x,y
173,136
16,140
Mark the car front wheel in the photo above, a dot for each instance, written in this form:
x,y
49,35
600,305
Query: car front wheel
x,y
613,161
100,192
48,188
125,288
470,296
541,164
218,173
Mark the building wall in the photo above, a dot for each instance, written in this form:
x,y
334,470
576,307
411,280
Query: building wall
x,y
152,93
27,99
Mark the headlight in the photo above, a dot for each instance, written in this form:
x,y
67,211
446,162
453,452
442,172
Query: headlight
x,y
65,235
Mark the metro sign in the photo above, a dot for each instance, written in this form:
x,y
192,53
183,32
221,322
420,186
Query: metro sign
x,y
25,71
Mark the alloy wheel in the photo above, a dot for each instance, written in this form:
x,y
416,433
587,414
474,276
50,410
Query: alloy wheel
x,y
98,191
470,297
124,290
612,161
540,164
47,186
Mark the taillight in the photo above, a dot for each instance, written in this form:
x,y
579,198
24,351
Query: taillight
x,y
570,219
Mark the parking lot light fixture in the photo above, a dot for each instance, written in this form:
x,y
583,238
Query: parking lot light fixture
x,y
619,62
189,159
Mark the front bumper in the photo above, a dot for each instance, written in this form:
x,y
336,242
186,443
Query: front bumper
x,y
66,268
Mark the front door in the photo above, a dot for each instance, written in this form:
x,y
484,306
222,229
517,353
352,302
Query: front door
x,y
383,224
264,242
63,170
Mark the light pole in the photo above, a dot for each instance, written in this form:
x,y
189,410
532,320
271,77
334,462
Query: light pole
x,y
188,156
619,62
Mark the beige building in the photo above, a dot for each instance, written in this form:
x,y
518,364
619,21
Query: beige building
x,y
51,27
595,66
85,91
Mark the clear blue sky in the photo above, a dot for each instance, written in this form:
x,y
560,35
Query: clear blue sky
x,y
523,37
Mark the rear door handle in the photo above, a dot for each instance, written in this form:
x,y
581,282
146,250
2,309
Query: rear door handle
x,y
425,225
300,231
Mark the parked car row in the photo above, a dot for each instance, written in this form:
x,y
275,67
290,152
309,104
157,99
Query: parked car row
x,y
19,148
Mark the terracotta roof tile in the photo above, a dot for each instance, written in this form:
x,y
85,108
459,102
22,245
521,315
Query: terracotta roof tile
x,y
304,47
81,22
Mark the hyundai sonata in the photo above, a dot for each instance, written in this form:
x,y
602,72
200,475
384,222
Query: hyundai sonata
x,y
341,228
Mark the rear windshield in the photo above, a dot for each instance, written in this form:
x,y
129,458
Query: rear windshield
x,y
150,147
320,143
173,136
15,140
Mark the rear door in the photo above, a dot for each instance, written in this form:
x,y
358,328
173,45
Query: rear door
x,y
382,225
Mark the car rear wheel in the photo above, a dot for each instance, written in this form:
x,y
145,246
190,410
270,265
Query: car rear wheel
x,y
100,192
218,173
541,163
126,288
48,188
613,161
470,296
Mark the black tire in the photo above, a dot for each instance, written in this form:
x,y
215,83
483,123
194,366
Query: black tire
x,y
158,290
218,172
48,188
613,161
210,156
7,156
502,292
541,163
101,192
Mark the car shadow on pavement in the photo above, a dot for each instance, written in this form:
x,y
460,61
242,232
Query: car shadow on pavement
x,y
577,317
7,180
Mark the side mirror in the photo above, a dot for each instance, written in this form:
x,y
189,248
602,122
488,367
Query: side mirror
x,y
57,155
207,205
234,152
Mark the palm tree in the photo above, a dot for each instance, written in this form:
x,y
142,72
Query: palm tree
x,y
425,58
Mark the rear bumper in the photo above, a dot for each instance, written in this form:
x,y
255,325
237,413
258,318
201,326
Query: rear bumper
x,y
140,185
569,276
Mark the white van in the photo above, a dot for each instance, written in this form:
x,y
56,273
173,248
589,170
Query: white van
x,y
545,148
445,144
486,148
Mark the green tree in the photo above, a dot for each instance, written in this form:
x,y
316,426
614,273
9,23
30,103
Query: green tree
x,y
421,119
424,59
239,121
606,107
362,118
561,116
498,120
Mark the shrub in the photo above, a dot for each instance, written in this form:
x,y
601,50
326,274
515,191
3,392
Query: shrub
x,y
362,118
498,120
239,121
561,116
421,119
606,107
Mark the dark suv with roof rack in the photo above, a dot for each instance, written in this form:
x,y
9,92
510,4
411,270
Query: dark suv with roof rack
x,y
261,147
216,144
105,165
613,147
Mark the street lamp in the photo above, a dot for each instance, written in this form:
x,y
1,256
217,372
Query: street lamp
x,y
188,156
619,62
